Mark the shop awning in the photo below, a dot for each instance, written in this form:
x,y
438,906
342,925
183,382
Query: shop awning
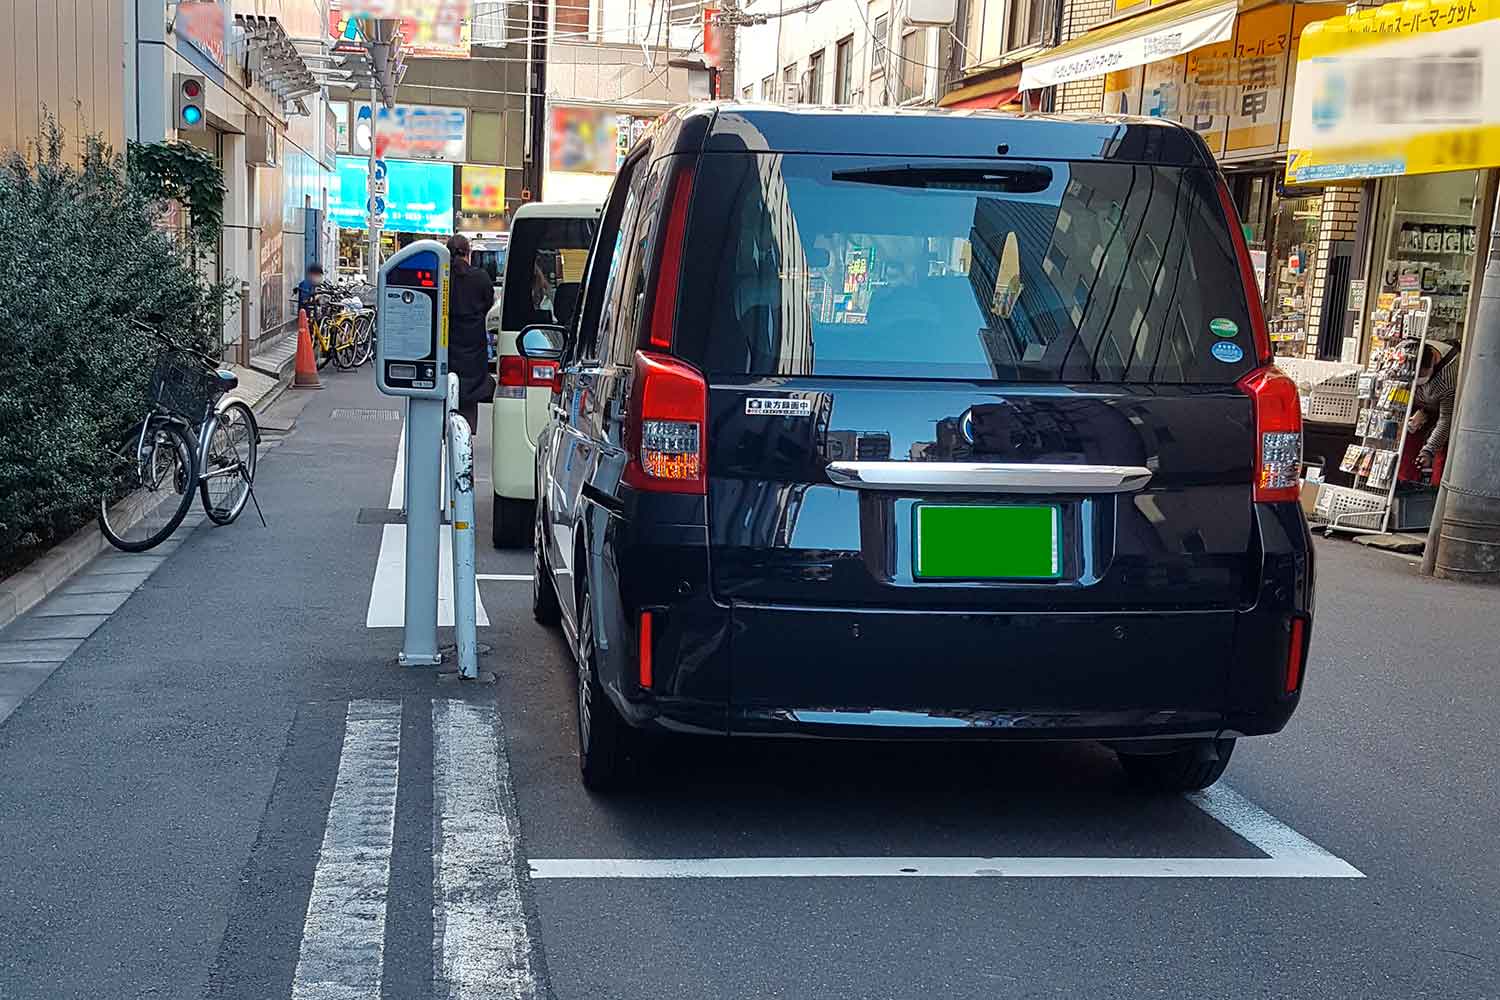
x,y
1163,33
993,89
985,102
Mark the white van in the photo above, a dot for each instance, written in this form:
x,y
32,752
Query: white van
x,y
549,246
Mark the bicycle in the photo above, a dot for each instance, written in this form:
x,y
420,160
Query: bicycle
x,y
335,317
194,439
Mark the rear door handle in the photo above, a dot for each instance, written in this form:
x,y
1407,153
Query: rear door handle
x,y
988,477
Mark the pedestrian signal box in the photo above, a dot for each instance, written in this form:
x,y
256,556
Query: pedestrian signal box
x,y
411,322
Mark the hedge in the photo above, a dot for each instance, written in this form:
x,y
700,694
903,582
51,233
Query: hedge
x,y
82,254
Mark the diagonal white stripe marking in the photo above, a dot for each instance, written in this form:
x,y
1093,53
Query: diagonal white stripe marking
x,y
481,947
343,936
1265,831
1291,855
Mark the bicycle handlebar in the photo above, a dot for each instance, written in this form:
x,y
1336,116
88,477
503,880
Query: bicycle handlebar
x,y
203,356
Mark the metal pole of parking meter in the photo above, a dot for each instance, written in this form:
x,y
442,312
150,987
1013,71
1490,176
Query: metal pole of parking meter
x,y
461,511
411,357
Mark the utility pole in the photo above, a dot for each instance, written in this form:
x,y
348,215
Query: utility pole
x,y
728,25
1464,541
536,101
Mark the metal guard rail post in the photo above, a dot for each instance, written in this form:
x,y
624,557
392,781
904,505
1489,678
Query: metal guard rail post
x,y
460,446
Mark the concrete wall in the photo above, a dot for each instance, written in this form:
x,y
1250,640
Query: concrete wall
x,y
65,58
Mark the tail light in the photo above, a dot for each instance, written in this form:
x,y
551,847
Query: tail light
x,y
664,305
1278,434
512,377
517,373
645,650
666,432
1247,277
1296,656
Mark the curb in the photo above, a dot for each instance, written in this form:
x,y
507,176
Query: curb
x,y
28,588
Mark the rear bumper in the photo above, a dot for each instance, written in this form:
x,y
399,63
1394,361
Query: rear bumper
x,y
844,673
512,452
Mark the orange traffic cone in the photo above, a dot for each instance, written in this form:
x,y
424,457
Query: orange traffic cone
x,y
307,367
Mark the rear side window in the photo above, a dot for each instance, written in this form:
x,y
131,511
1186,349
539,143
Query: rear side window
x,y
544,270
491,262
1059,271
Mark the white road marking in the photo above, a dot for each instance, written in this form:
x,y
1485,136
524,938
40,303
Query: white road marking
x,y
387,607
1290,855
343,935
481,947
519,577
398,478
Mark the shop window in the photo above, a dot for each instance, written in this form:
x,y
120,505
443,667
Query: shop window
x,y
814,94
1290,266
913,71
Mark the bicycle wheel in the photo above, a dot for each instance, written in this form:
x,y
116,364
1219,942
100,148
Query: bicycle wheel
x,y
156,474
364,337
322,346
229,463
345,344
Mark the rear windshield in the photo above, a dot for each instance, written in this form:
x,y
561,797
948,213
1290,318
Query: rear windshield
x,y
544,270
1034,272
491,262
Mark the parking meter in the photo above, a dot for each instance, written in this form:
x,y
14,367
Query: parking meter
x,y
411,360
411,321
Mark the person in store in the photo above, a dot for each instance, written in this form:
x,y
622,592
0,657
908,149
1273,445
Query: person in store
x,y
468,346
1431,418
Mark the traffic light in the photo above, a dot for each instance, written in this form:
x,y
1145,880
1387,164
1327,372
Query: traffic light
x,y
190,90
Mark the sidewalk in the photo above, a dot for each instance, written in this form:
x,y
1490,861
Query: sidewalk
x,y
27,588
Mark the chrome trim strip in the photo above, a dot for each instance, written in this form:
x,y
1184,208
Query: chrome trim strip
x,y
988,477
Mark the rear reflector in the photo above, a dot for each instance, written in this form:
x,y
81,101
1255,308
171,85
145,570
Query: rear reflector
x,y
1295,655
1278,434
1252,288
668,415
664,304
645,650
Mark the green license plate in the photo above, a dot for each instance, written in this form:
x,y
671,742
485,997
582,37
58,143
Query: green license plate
x,y
971,542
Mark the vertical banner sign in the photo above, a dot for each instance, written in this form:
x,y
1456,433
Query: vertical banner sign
x,y
711,54
1207,93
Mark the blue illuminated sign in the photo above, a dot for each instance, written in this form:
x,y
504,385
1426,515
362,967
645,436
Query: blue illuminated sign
x,y
418,199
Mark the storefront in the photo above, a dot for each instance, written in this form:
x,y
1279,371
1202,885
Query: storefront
x,y
1404,102
1226,70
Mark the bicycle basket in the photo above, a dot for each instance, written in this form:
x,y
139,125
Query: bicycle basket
x,y
180,384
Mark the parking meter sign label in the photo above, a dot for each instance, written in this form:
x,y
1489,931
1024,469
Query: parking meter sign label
x,y
407,329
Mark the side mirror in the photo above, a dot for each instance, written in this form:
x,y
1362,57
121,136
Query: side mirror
x,y
542,342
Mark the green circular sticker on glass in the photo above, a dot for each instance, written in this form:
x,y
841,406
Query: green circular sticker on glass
x,y
1223,327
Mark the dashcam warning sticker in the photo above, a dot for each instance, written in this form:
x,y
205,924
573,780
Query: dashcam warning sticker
x,y
766,406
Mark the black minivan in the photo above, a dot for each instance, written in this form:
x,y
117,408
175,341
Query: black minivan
x,y
896,424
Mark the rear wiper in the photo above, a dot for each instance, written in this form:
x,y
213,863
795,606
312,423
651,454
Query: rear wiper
x,y
1018,179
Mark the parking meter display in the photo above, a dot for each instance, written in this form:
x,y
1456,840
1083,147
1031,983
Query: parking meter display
x,y
408,323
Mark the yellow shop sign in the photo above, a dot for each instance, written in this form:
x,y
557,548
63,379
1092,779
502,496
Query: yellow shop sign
x,y
1407,88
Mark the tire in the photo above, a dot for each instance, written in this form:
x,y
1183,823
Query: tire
x,y
544,606
233,441
345,344
322,355
1189,769
166,492
607,746
364,341
511,522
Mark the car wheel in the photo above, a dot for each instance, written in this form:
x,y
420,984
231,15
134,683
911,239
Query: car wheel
x,y
1186,770
510,522
544,607
605,742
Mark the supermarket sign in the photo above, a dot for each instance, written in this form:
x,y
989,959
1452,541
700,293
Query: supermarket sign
x,y
1407,88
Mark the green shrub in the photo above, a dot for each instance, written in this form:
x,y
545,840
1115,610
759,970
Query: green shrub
x,y
81,257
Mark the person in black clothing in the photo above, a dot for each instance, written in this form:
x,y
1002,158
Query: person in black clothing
x,y
468,352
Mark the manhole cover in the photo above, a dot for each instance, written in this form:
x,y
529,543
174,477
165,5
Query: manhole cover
x,y
347,413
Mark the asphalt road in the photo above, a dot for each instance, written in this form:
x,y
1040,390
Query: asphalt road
x,y
231,791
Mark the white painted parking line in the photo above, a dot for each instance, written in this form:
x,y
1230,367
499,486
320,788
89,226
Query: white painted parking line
x,y
387,607
1289,855
343,935
518,577
481,947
